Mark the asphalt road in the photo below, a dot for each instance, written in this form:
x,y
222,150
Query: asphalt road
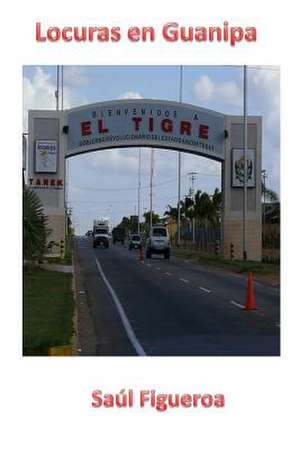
x,y
173,307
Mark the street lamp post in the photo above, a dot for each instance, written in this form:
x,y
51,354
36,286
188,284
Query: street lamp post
x,y
179,171
62,87
139,191
24,153
192,176
151,187
57,88
264,175
245,167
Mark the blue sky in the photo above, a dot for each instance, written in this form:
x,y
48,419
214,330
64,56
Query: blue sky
x,y
104,183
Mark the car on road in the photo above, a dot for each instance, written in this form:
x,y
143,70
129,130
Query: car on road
x,y
158,242
135,242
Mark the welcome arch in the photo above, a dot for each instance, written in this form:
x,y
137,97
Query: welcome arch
x,y
54,136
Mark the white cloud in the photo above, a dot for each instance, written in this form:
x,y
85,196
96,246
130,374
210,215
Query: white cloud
x,y
275,170
75,76
263,99
130,95
121,161
39,93
228,92
265,77
204,88
265,86
263,90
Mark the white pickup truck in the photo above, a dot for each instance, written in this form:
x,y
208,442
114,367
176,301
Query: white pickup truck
x,y
158,242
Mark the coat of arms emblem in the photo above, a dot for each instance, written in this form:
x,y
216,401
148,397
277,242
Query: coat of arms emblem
x,y
239,170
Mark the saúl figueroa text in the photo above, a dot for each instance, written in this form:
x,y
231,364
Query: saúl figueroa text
x,y
126,398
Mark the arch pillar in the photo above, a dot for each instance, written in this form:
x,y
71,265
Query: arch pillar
x,y
45,131
232,214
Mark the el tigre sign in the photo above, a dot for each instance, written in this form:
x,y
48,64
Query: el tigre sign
x,y
127,123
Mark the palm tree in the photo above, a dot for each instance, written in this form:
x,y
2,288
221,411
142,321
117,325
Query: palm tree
x,y
216,201
207,211
171,212
271,204
202,206
188,207
35,226
155,218
268,194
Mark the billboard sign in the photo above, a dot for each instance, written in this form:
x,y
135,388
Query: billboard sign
x,y
154,123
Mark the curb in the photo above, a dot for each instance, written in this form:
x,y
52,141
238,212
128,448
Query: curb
x,y
56,267
74,339
85,338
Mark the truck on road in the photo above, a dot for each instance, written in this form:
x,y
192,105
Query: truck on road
x,y
118,235
101,233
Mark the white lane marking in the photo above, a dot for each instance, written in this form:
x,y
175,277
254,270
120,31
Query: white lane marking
x,y
127,326
184,280
168,274
237,304
205,290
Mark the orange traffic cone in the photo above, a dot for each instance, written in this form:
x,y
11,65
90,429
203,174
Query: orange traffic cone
x,y
250,302
141,254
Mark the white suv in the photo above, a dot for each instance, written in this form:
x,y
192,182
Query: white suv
x,y
158,242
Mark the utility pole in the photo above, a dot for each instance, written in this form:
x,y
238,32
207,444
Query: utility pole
x,y
245,159
62,87
66,162
57,88
24,155
192,175
151,186
139,189
179,171
264,176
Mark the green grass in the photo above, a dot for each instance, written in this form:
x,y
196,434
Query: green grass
x,y
238,266
48,309
67,260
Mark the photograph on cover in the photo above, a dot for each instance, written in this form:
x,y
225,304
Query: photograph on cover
x,y
151,210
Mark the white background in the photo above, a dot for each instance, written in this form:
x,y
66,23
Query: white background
x,y
46,401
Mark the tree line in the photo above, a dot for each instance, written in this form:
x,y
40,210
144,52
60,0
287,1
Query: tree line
x,y
204,208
